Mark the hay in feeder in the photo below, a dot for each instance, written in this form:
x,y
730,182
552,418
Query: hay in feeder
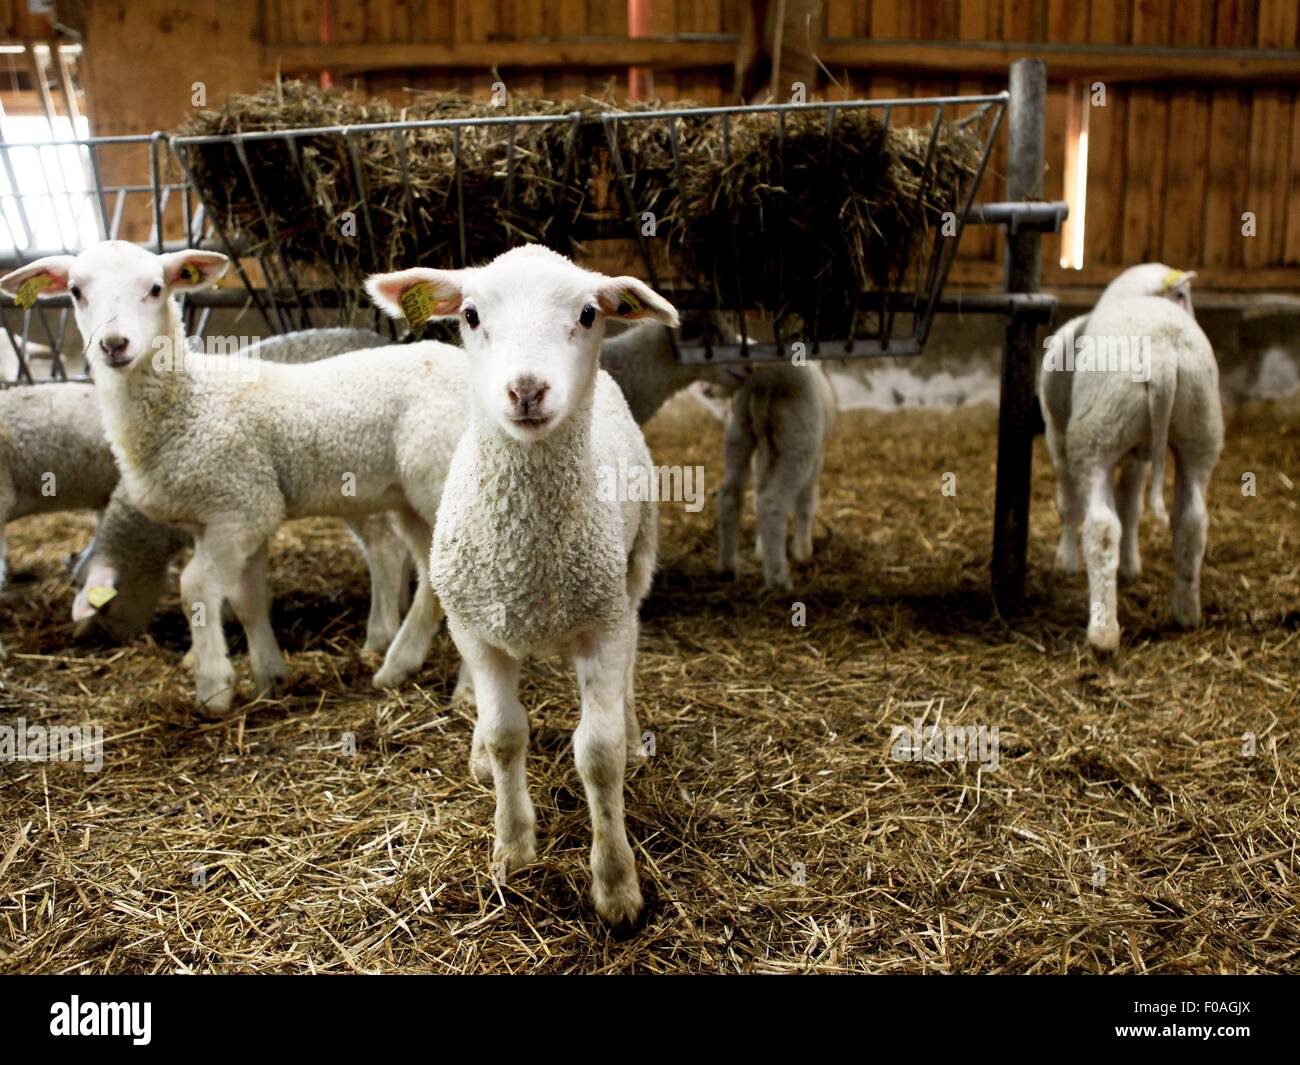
x,y
791,219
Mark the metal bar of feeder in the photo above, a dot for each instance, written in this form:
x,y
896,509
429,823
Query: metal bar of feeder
x,y
610,123
965,212
1046,215
354,156
155,176
918,206
1017,409
510,169
373,127
273,232
460,195
299,166
735,245
182,157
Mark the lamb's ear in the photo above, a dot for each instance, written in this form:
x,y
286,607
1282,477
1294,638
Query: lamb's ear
x,y
417,294
47,276
630,299
1178,288
192,269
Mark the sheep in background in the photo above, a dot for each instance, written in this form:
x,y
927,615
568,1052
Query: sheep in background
x,y
1100,417
53,455
121,576
232,455
529,554
642,360
781,419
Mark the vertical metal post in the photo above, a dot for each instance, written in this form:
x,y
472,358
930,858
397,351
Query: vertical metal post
x,y
1026,139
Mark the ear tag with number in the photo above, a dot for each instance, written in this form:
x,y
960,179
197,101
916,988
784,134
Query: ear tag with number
x,y
189,273
417,303
628,303
100,594
31,288
1173,277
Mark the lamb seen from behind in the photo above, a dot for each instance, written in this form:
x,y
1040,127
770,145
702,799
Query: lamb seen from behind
x,y
1100,418
527,558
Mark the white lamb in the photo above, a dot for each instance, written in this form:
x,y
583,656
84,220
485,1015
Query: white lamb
x,y
782,418
230,454
530,554
642,360
53,456
1117,387
120,577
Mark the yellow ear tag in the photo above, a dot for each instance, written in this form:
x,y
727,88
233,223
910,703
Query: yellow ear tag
x,y
189,273
1173,277
31,288
628,303
417,303
99,595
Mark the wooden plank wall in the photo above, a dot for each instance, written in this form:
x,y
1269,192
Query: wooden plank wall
x,y
1172,166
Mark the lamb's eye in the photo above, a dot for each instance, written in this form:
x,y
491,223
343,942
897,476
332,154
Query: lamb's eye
x,y
471,316
156,291
588,316
76,292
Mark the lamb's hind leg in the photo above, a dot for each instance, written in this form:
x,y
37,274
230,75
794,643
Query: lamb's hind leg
x,y
415,637
1101,534
386,558
600,748
805,512
1190,521
738,447
1132,482
1069,504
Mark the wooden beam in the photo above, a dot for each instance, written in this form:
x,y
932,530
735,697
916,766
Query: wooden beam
x,y
1109,63
660,52
1112,63
980,274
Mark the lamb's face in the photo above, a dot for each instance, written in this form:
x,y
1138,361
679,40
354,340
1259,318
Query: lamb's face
x,y
1154,279
531,323
120,295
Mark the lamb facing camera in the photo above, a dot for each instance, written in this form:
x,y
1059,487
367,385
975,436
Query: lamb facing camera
x,y
527,558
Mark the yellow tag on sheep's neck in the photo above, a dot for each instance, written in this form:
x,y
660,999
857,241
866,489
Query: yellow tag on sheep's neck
x,y
99,595
31,288
628,303
417,303
1173,277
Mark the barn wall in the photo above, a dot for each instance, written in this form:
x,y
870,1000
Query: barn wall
x,y
1185,144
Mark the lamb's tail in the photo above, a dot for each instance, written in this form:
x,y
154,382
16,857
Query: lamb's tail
x,y
1160,406
641,559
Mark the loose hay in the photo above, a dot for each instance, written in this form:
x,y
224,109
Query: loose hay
x,y
772,749
847,211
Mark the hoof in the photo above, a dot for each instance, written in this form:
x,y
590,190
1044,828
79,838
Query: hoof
x,y
509,857
619,905
391,677
1104,640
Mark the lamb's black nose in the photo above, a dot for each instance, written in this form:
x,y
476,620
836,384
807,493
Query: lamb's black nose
x,y
113,345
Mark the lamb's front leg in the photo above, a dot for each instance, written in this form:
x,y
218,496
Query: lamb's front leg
x,y
502,728
600,748
250,598
201,599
